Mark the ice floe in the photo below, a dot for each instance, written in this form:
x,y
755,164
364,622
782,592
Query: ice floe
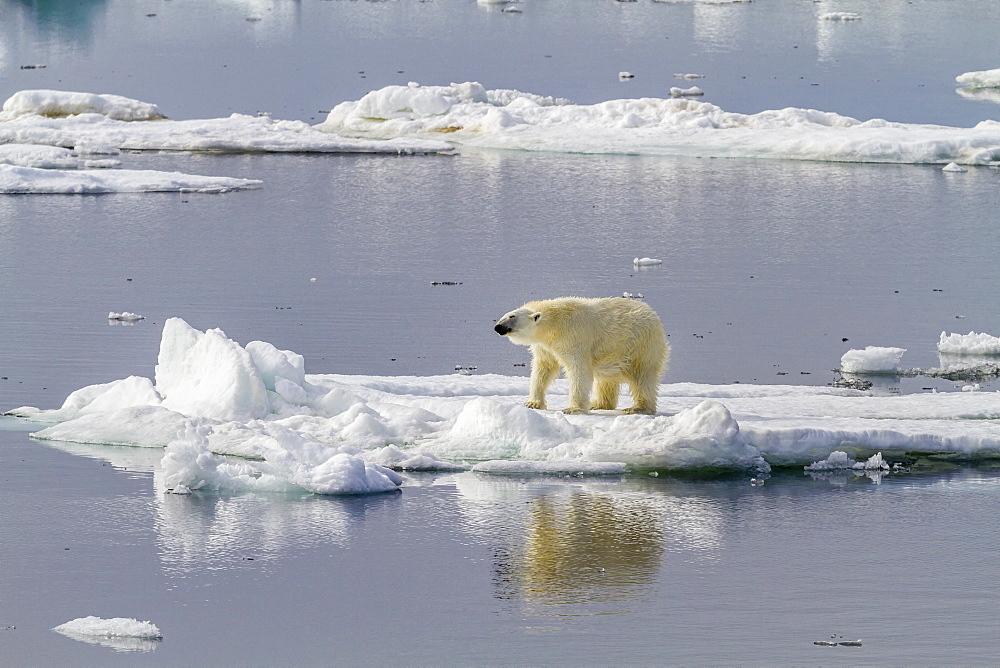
x,y
119,633
471,115
56,118
38,181
125,316
234,417
982,79
872,360
972,343
51,157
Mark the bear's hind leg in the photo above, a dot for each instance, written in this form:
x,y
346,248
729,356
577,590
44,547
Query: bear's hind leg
x,y
607,394
644,387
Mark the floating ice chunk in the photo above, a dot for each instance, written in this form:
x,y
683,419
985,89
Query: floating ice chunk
x,y
681,75
125,316
646,261
557,467
625,76
56,103
116,627
872,360
693,91
969,344
982,79
840,16
839,460
31,180
953,167
209,375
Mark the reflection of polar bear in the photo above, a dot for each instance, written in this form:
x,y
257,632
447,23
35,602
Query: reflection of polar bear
x,y
612,340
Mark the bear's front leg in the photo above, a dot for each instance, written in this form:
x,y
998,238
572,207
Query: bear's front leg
x,y
544,369
580,375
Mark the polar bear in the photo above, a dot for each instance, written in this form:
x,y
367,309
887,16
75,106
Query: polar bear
x,y
610,341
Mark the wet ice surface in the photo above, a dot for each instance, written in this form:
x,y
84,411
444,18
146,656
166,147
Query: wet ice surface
x,y
770,272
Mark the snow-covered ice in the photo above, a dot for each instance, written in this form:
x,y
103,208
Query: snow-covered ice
x,y
68,120
59,104
972,343
982,79
51,157
872,360
33,180
250,418
471,115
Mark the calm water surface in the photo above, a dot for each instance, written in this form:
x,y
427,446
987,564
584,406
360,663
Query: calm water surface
x,y
767,268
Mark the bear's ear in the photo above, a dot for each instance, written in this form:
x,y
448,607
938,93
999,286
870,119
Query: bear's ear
x,y
536,315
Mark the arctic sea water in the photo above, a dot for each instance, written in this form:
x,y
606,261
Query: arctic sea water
x,y
771,271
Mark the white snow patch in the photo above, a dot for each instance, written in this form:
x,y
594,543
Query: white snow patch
x,y
50,157
872,360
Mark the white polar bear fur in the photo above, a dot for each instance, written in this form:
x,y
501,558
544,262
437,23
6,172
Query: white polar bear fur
x,y
599,343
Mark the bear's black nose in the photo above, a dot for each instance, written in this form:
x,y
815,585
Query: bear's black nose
x,y
501,329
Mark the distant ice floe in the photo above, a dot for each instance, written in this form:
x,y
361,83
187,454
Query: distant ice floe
x,y
244,418
693,91
471,115
35,181
119,633
646,261
125,316
49,139
840,16
983,79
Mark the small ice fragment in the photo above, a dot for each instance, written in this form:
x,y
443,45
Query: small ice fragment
x,y
654,474
646,261
825,643
312,280
116,627
840,16
971,388
180,489
681,75
954,167
622,76
125,316
851,643
693,91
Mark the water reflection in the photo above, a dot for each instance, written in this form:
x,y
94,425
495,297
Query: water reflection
x,y
72,21
567,548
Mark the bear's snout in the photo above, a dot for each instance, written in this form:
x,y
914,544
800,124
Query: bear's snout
x,y
502,329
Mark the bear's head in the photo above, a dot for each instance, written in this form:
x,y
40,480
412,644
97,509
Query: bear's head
x,y
519,326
